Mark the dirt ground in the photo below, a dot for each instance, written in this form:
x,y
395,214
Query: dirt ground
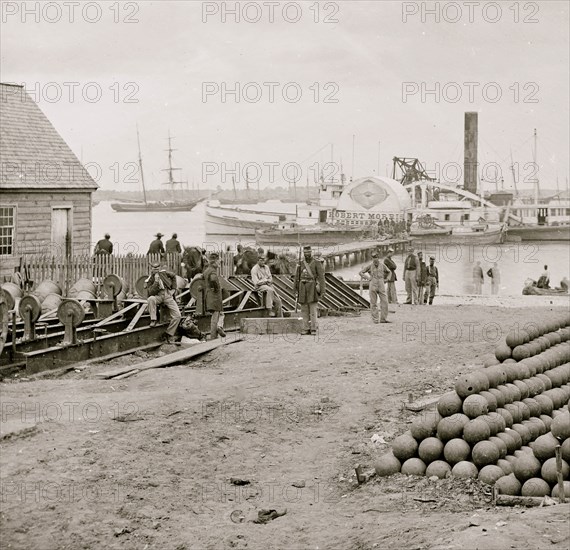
x,y
151,461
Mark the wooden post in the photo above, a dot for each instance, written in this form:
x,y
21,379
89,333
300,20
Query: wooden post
x,y
561,496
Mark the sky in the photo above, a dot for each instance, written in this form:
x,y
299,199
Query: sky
x,y
348,75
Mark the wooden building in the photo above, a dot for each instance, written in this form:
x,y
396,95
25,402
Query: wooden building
x,y
45,193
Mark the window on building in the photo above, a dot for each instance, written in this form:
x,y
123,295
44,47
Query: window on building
x,y
447,217
7,221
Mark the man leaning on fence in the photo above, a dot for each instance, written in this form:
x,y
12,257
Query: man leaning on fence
x,y
161,285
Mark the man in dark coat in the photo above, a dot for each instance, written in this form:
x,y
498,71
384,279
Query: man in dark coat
x,y
311,286
161,286
156,246
104,246
391,279
172,245
214,297
422,278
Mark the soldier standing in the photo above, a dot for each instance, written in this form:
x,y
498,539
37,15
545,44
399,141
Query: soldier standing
x,y
376,272
173,245
104,246
478,278
410,266
421,272
432,281
391,279
214,298
156,246
311,286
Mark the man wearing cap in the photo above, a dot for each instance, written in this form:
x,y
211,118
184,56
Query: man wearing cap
x,y
391,278
104,246
213,297
161,285
156,246
173,246
410,277
421,280
432,281
375,273
311,286
263,281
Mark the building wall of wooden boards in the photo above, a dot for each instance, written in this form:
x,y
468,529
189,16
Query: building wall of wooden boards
x,y
33,223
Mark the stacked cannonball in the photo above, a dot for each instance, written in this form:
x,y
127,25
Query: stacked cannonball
x,y
503,422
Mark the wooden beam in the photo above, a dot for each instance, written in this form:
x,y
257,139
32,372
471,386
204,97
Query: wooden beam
x,y
233,296
172,358
116,315
244,301
272,325
137,316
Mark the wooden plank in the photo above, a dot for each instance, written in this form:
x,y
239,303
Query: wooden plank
x,y
245,299
171,358
137,316
425,402
114,316
272,325
529,502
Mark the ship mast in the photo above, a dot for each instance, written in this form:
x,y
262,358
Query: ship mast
x,y
536,183
170,168
513,172
140,165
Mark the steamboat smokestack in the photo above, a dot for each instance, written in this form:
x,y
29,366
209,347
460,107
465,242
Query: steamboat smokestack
x,y
470,152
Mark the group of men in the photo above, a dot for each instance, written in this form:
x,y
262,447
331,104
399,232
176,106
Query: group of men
x,y
479,279
105,246
421,279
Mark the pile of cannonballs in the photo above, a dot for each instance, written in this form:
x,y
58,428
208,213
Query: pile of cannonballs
x,y
503,422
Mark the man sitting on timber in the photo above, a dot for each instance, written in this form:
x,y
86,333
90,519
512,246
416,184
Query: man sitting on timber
x,y
263,281
376,272
161,285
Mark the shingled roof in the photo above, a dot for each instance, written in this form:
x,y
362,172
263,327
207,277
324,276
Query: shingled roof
x,y
34,155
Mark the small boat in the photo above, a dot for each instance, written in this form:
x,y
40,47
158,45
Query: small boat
x,y
530,289
320,234
472,234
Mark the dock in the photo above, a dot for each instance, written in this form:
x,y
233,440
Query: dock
x,y
347,254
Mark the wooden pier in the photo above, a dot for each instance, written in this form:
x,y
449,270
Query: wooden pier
x,y
347,254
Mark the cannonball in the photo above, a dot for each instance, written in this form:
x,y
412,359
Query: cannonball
x,y
523,389
514,338
490,474
430,449
544,445
387,465
465,470
499,397
508,485
476,430
535,487
467,385
533,405
516,413
506,393
449,404
566,485
502,352
438,468
532,428
549,471
539,424
484,453
500,444
523,408
545,403
507,417
414,467
509,441
547,421
404,447
491,400
505,465
490,360
523,431
565,450
425,425
516,436
561,426
451,427
456,450
475,405
526,466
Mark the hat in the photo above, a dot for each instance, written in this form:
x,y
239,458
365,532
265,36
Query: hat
x,y
155,265
390,249
158,235
306,249
432,258
375,254
214,256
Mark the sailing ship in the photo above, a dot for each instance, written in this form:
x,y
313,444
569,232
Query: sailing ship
x,y
145,205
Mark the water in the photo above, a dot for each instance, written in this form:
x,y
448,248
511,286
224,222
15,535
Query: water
x,y
133,232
